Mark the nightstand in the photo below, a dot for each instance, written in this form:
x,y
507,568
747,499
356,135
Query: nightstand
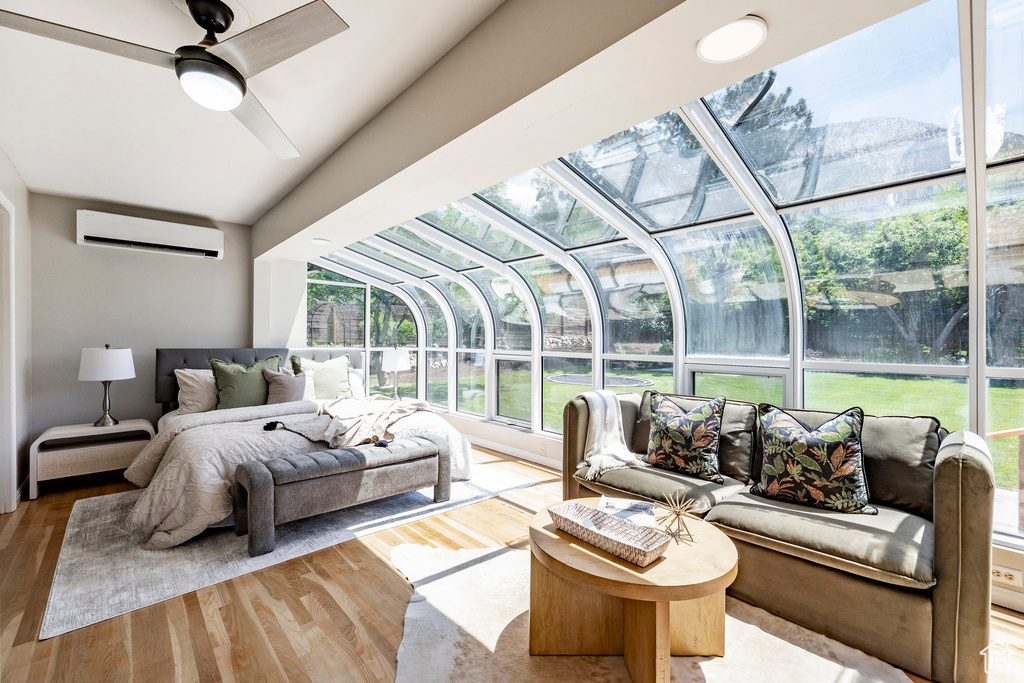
x,y
83,449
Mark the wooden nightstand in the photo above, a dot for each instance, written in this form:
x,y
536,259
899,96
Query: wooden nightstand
x,y
83,449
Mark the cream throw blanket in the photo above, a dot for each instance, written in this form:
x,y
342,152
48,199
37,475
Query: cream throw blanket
x,y
606,446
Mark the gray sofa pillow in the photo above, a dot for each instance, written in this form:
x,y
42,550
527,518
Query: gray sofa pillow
x,y
899,458
285,387
736,445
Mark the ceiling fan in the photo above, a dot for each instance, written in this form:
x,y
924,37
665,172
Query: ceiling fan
x,y
214,73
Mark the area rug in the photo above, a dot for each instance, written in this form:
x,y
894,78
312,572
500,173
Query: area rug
x,y
103,571
468,620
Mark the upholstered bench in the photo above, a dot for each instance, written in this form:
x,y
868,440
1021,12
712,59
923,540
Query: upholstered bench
x,y
286,489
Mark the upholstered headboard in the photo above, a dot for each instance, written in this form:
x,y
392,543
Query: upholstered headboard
x,y
169,360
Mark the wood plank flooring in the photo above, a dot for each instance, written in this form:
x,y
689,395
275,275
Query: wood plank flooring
x,y
334,615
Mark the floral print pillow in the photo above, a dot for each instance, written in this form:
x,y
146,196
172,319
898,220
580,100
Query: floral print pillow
x,y
821,467
686,442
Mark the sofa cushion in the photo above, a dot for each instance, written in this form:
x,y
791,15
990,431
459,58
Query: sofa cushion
x,y
899,458
686,441
302,466
661,486
894,546
736,440
821,467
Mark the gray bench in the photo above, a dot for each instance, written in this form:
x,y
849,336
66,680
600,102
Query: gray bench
x,y
286,489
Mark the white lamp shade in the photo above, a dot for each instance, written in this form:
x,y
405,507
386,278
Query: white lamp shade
x,y
103,365
395,360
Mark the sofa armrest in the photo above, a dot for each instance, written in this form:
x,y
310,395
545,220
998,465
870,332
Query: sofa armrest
x,y
964,492
575,423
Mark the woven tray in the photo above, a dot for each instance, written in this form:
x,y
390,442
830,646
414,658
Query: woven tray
x,y
634,543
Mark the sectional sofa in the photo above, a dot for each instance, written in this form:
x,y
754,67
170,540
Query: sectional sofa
x,y
910,585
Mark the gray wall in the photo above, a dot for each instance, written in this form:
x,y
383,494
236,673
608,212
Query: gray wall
x,y
90,296
20,300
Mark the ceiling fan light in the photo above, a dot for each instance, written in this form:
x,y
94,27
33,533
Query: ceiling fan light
x,y
212,85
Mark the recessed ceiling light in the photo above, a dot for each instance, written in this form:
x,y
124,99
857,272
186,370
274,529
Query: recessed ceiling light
x,y
320,240
733,41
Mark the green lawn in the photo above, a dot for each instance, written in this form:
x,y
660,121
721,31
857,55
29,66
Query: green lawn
x,y
943,398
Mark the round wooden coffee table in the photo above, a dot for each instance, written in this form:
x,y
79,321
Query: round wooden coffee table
x,y
584,601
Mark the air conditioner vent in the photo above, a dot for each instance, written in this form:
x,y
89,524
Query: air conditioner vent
x,y
126,232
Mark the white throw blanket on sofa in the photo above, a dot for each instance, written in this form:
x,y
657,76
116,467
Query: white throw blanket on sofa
x,y
606,446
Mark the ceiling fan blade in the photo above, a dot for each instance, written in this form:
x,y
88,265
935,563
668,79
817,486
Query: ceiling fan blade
x,y
274,41
94,41
254,117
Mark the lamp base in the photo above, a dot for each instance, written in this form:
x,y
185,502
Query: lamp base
x,y
106,420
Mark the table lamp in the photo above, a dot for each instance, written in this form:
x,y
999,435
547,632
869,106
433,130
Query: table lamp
x,y
106,365
395,361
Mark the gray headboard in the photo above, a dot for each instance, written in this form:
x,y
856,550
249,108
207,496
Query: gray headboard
x,y
169,360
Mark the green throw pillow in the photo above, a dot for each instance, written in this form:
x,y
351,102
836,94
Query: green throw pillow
x,y
330,378
821,467
686,441
239,386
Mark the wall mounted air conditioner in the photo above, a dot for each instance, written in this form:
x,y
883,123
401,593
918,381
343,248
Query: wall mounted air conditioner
x,y
98,229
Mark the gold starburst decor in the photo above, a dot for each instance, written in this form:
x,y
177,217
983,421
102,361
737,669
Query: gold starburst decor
x,y
677,509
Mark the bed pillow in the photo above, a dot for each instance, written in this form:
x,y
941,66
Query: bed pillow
x,y
357,383
686,441
239,386
197,391
330,378
821,467
284,387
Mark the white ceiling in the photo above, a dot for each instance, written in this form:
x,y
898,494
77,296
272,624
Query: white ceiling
x,y
83,123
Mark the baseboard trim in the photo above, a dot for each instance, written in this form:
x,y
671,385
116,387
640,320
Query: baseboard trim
x,y
519,453
1011,599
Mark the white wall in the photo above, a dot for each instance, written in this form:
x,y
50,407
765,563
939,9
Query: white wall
x,y
89,296
16,305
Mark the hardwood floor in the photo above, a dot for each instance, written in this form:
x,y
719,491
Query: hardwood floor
x,y
334,615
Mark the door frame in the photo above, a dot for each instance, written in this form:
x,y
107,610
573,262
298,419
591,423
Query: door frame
x,y
8,362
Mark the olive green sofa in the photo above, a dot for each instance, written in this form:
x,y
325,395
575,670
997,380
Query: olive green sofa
x,y
909,585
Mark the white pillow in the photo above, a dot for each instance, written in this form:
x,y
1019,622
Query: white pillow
x,y
357,382
197,391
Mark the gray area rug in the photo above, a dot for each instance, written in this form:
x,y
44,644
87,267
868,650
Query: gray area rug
x,y
103,571
469,620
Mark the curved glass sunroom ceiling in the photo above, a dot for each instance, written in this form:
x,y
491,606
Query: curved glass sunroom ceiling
x,y
834,231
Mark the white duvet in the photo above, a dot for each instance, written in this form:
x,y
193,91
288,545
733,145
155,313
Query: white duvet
x,y
188,469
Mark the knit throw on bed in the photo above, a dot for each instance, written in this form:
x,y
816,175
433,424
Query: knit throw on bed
x,y
606,446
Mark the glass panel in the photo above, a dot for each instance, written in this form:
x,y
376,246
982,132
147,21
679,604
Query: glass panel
x,y
637,312
318,273
470,373
878,106
514,397
538,202
375,254
562,306
1005,416
391,321
659,173
468,319
1004,270
335,315
478,233
752,388
942,397
635,377
351,261
437,326
733,289
383,383
404,237
564,378
511,320
437,378
1005,93
885,278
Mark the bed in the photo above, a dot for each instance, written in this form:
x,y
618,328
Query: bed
x,y
187,471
